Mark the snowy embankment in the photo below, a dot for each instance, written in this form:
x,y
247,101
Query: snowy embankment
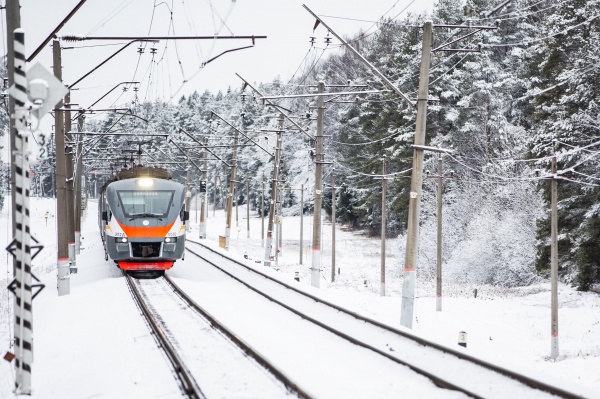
x,y
93,342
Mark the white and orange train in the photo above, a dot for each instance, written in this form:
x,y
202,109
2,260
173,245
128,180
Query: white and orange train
x,y
142,219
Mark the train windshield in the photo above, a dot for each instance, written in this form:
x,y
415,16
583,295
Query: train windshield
x,y
147,203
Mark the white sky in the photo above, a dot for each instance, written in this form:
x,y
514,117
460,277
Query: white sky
x,y
287,25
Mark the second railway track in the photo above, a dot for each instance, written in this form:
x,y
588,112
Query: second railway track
x,y
447,368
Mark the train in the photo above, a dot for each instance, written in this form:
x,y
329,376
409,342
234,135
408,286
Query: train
x,y
142,219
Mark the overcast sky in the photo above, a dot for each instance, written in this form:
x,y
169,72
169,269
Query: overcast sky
x,y
177,70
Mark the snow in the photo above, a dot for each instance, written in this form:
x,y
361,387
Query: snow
x,y
93,343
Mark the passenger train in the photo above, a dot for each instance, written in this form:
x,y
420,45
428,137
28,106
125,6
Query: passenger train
x,y
142,219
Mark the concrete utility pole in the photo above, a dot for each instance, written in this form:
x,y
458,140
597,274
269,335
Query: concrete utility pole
x,y
247,207
188,191
301,221
262,211
319,158
70,189
279,207
204,194
438,287
554,261
62,242
412,236
269,243
78,188
333,211
215,191
231,188
236,195
383,225
277,224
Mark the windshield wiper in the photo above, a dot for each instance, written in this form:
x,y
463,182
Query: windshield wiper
x,y
146,215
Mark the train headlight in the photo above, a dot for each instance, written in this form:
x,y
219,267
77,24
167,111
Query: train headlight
x,y
121,240
170,239
145,182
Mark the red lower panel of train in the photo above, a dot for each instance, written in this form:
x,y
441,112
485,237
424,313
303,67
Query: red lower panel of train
x,y
145,265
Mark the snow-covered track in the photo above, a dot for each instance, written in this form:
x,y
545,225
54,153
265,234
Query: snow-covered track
x,y
447,368
159,299
188,383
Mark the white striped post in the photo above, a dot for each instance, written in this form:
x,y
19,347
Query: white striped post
x,y
23,292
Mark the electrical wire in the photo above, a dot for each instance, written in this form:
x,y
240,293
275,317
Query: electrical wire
x,y
371,174
110,16
563,32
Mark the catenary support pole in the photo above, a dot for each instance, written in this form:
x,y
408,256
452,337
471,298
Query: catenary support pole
x,y
23,329
204,195
262,211
215,191
554,261
412,235
277,224
301,221
438,280
78,184
69,173
269,242
383,226
333,212
280,220
231,188
247,207
188,191
316,238
62,243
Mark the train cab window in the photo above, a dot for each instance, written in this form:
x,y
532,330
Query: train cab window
x,y
146,203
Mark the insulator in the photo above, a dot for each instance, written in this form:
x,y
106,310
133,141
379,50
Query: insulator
x,y
70,38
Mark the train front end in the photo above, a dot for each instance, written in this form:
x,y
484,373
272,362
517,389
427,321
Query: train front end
x,y
145,223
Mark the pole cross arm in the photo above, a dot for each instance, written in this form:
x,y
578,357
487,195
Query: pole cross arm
x,y
108,59
202,144
227,51
107,93
188,158
75,38
240,132
432,149
276,106
335,94
363,59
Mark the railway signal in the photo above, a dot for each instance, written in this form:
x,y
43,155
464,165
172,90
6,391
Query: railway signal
x,y
33,93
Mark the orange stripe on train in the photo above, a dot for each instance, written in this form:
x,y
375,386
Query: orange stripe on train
x,y
145,232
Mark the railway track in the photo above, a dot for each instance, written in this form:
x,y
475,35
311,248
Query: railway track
x,y
208,359
445,367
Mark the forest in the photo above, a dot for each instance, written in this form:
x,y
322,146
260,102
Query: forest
x,y
503,102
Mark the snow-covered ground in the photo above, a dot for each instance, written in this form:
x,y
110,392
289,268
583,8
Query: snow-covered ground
x,y
92,343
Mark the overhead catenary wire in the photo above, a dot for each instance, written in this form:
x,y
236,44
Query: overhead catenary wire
x,y
541,39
